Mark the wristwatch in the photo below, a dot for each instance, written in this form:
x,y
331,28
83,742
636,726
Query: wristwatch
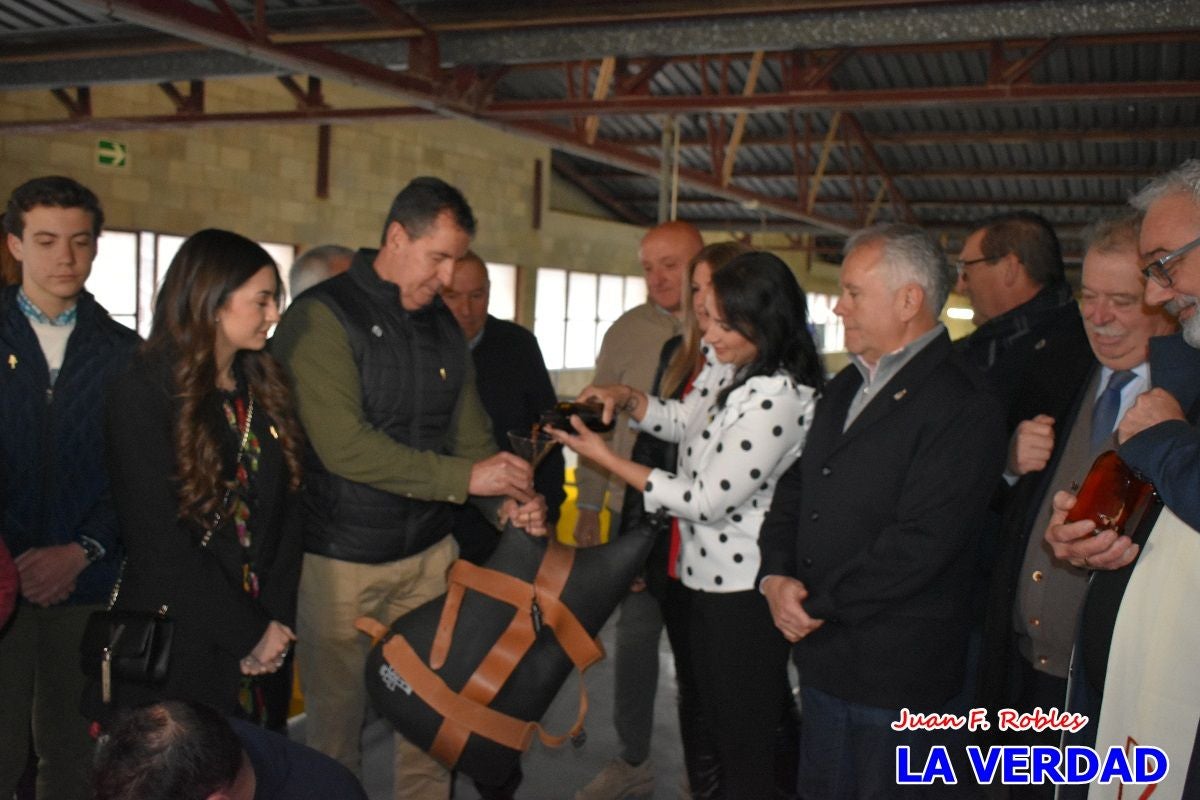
x,y
91,548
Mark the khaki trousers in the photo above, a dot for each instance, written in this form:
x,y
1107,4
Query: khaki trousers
x,y
332,655
40,687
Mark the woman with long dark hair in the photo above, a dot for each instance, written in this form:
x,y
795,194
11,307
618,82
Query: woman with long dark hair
x,y
739,429
637,635
204,455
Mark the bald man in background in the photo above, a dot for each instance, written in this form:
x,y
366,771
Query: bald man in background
x,y
514,387
317,264
629,355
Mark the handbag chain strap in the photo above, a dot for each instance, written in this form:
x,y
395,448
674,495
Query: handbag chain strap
x,y
116,590
246,430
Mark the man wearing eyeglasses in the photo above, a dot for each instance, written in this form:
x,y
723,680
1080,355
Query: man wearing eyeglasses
x,y
1031,347
1011,269
1139,634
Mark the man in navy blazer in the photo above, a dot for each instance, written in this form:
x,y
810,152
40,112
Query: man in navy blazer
x,y
867,551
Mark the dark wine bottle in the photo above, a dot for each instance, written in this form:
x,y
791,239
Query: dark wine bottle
x,y
1110,494
559,416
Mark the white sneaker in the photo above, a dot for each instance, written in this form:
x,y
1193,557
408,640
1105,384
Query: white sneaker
x,y
619,780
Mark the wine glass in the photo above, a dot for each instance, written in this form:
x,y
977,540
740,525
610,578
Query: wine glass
x,y
533,444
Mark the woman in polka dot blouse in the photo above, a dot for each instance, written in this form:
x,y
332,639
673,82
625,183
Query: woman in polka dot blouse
x,y
739,429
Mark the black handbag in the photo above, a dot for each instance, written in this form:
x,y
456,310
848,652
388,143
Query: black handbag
x,y
133,646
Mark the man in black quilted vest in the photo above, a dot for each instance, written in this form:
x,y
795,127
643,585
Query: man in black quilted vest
x,y
58,350
385,389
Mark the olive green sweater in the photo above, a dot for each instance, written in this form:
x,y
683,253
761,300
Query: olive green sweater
x,y
314,348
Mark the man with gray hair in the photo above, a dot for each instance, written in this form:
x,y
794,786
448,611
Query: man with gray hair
x,y
868,570
317,264
1035,599
1139,633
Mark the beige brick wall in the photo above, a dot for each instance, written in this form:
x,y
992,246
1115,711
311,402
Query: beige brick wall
x,y
260,180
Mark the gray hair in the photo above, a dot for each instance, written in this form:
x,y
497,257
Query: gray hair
x,y
1184,179
911,256
1113,235
312,266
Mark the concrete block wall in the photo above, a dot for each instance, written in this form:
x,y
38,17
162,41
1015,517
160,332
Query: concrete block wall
x,y
260,180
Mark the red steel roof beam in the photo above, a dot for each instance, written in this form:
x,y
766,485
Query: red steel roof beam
x,y
850,99
627,158
192,121
872,157
191,103
79,106
189,21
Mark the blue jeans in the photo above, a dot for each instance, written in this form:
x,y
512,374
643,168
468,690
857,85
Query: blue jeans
x,y
848,752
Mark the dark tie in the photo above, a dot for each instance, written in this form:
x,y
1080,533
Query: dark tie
x,y
1104,415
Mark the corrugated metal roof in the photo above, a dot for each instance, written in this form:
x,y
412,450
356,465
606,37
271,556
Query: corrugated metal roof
x,y
953,160
44,15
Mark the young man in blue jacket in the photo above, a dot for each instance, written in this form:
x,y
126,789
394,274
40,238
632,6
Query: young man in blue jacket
x,y
58,349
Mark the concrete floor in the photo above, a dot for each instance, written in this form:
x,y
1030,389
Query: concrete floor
x,y
556,774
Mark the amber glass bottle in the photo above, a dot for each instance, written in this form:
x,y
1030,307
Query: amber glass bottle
x,y
559,416
1110,494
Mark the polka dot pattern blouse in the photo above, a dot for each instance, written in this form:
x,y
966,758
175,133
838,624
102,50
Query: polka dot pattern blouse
x,y
729,462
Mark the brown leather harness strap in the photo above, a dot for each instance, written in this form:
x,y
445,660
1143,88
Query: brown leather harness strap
x,y
467,711
371,627
494,671
497,726
445,629
508,731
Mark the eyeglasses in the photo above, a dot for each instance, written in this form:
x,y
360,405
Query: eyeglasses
x,y
961,265
1157,270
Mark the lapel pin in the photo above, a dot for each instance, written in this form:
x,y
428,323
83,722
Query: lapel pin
x,y
900,394
1040,344
12,361
274,433
442,372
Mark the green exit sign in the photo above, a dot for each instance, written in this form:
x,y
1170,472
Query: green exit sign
x,y
110,153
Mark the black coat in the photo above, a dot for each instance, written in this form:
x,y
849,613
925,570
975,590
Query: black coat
x,y
515,388
1034,358
216,623
880,524
1022,352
